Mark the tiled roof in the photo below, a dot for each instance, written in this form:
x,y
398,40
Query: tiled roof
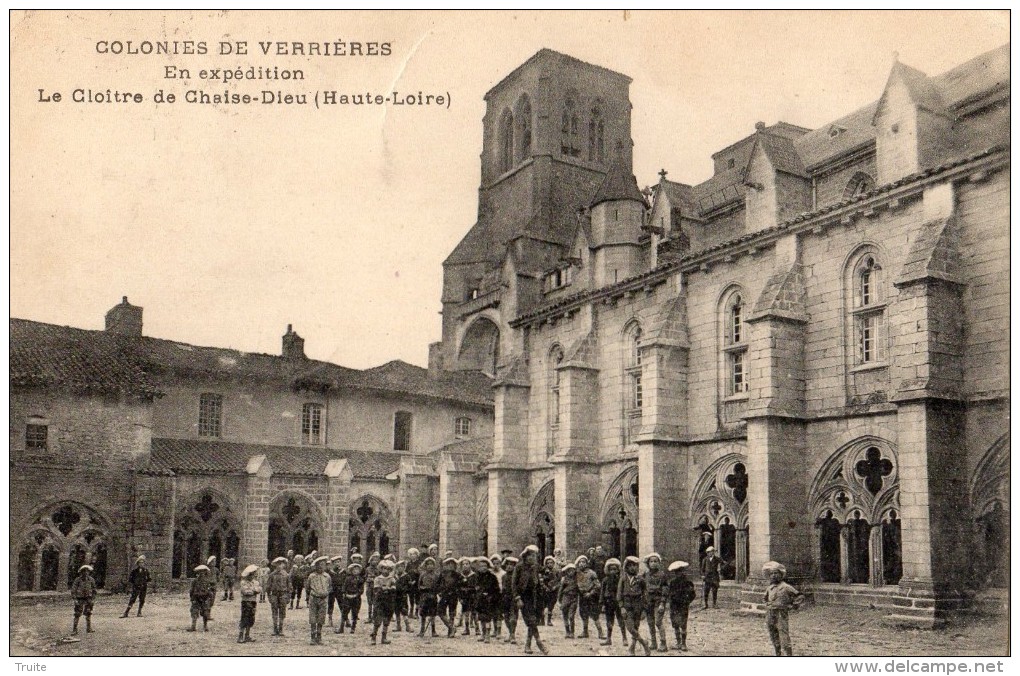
x,y
399,377
101,361
193,456
85,361
983,73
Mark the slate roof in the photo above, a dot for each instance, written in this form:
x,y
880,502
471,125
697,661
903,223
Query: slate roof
x,y
104,362
195,456
619,184
782,154
679,194
817,147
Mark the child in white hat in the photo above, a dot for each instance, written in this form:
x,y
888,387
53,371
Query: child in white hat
x,y
780,597
250,590
384,596
566,596
203,591
279,590
139,580
631,597
681,593
83,591
655,608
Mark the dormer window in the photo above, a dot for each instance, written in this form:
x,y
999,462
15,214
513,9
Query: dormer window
x,y
836,130
473,293
559,278
730,163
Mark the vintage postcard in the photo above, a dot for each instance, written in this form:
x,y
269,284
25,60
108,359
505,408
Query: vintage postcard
x,y
368,333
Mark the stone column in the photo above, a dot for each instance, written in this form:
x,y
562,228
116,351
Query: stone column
x,y
509,487
255,539
457,528
779,525
509,497
418,503
338,500
577,491
155,509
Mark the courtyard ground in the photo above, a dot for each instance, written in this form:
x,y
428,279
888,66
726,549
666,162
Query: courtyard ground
x,y
43,629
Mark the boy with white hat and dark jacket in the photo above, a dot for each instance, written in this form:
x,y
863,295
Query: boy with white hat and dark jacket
x,y
139,580
83,591
680,593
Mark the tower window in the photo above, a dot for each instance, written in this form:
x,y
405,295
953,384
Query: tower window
x,y
210,415
596,136
402,431
569,129
867,314
734,345
506,142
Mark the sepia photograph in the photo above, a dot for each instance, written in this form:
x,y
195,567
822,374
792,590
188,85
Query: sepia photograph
x,y
510,334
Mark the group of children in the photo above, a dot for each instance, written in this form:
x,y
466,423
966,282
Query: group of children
x,y
490,593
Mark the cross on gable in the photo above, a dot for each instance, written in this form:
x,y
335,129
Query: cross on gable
x,y
365,512
873,468
291,510
738,482
206,507
662,174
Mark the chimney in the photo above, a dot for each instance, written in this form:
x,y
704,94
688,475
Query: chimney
x,y
125,319
293,344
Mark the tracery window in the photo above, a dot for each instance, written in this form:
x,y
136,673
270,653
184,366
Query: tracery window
x,y
570,128
596,136
506,142
61,540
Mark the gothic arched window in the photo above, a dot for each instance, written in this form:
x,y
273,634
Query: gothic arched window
x,y
734,343
506,142
866,318
524,132
596,136
569,128
555,360
632,365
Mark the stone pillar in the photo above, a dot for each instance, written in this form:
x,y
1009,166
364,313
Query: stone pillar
x,y
457,528
577,491
662,455
509,498
417,503
155,509
255,539
338,500
509,487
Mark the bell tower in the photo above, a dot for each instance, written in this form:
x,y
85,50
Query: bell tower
x,y
553,129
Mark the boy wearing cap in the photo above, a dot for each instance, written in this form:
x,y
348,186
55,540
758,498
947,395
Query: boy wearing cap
x,y
710,568
403,592
487,596
466,590
567,597
139,580
371,572
655,608
413,570
298,573
228,573
280,591
588,591
631,596
263,578
681,593
447,587
496,566
610,605
335,571
385,591
428,587
319,586
510,610
780,597
350,601
250,589
83,591
550,577
203,591
527,588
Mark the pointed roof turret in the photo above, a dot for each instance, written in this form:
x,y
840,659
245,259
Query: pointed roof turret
x,y
619,184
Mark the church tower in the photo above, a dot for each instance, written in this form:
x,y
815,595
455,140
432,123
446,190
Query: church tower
x,y
552,130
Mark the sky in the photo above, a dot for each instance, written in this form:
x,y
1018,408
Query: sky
x,y
229,222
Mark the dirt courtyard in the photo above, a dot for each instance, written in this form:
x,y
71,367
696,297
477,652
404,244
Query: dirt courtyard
x,y
43,629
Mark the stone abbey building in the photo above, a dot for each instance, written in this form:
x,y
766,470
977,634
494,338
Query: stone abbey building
x,y
802,358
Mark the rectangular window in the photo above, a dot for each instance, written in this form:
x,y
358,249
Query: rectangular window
x,y
462,427
638,398
871,338
311,424
402,431
737,374
36,437
210,415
